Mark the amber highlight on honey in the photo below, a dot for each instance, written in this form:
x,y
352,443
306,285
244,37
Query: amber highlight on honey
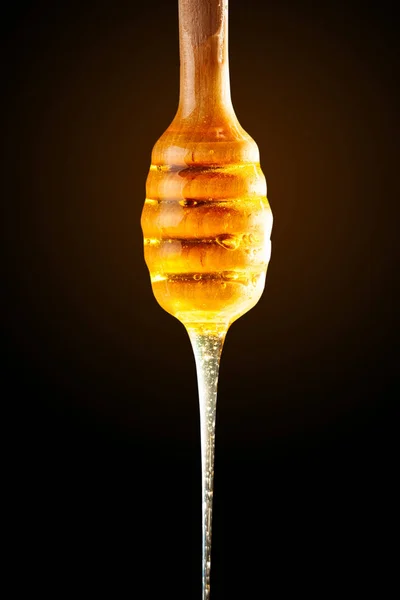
x,y
206,219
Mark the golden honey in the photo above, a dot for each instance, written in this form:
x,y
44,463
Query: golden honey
x,y
206,224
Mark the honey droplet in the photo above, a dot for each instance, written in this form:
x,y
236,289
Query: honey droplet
x,y
197,277
254,238
228,241
188,202
230,276
151,241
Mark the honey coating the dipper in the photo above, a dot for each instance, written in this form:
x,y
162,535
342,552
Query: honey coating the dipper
x,y
207,231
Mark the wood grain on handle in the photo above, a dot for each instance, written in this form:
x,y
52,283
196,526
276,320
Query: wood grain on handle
x,y
201,19
204,76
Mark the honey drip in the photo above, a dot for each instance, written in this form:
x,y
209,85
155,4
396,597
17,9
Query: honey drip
x,y
206,219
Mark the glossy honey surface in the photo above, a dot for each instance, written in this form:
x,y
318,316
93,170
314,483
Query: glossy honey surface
x,y
207,232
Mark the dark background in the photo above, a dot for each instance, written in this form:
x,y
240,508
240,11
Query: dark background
x,y
104,446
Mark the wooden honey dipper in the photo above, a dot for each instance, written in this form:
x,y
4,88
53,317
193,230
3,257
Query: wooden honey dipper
x,y
206,219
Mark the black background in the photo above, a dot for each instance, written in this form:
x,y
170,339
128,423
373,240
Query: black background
x,y
104,434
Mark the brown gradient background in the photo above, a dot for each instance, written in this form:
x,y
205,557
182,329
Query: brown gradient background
x,y
104,441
